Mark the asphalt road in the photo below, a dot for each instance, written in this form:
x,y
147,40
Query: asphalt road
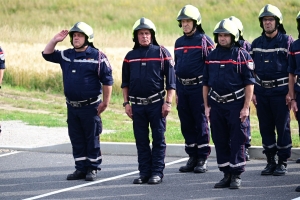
x,y
35,175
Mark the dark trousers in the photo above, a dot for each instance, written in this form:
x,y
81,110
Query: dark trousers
x,y
151,161
229,135
273,113
84,127
194,125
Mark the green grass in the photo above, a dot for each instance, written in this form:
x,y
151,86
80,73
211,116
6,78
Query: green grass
x,y
49,109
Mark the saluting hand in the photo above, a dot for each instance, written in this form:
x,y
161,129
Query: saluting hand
x,y
61,36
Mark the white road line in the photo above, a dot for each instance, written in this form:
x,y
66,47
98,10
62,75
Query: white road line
x,y
7,154
99,181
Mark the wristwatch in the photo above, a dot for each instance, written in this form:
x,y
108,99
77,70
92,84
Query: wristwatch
x,y
125,103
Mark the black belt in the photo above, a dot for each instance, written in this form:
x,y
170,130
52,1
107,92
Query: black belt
x,y
272,83
190,81
84,102
228,97
145,101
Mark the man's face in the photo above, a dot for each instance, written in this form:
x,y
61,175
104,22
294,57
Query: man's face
x,y
269,24
187,25
78,39
144,37
224,39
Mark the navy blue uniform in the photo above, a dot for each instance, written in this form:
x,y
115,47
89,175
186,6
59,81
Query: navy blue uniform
x,y
145,71
190,53
226,73
270,56
2,59
294,68
83,73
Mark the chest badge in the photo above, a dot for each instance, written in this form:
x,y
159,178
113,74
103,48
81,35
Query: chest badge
x,y
73,70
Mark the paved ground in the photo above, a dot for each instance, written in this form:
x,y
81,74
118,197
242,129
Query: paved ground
x,y
36,175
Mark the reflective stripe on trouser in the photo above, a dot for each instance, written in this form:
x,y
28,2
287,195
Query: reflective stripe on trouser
x,y
151,161
84,127
273,114
194,125
229,136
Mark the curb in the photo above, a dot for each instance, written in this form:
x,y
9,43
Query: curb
x,y
129,149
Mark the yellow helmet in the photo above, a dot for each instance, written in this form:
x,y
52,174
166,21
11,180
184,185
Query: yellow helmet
x,y
270,10
84,28
143,23
238,24
226,26
189,12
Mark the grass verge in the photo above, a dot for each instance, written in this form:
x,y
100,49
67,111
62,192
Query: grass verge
x,y
49,109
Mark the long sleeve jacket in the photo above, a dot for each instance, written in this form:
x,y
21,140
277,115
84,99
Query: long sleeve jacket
x,y
147,71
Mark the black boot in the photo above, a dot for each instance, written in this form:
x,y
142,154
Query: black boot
x,y
271,166
190,165
235,182
225,182
281,168
201,166
76,175
91,174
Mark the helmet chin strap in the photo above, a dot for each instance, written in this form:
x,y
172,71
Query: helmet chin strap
x,y
194,27
84,44
270,32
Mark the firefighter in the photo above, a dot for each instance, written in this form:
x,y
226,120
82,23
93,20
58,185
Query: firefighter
x,y
294,78
247,46
270,55
190,52
86,75
147,73
228,83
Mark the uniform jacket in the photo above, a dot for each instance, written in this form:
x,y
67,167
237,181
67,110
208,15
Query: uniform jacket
x,y
147,71
2,59
228,70
190,53
294,62
83,72
270,56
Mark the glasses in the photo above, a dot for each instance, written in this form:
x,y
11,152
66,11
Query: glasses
x,y
268,19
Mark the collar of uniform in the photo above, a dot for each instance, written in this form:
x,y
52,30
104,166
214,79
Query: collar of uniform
x,y
193,35
83,53
146,47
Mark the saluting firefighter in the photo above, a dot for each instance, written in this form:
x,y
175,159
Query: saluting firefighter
x,y
190,52
247,46
147,72
294,77
270,55
228,83
86,75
